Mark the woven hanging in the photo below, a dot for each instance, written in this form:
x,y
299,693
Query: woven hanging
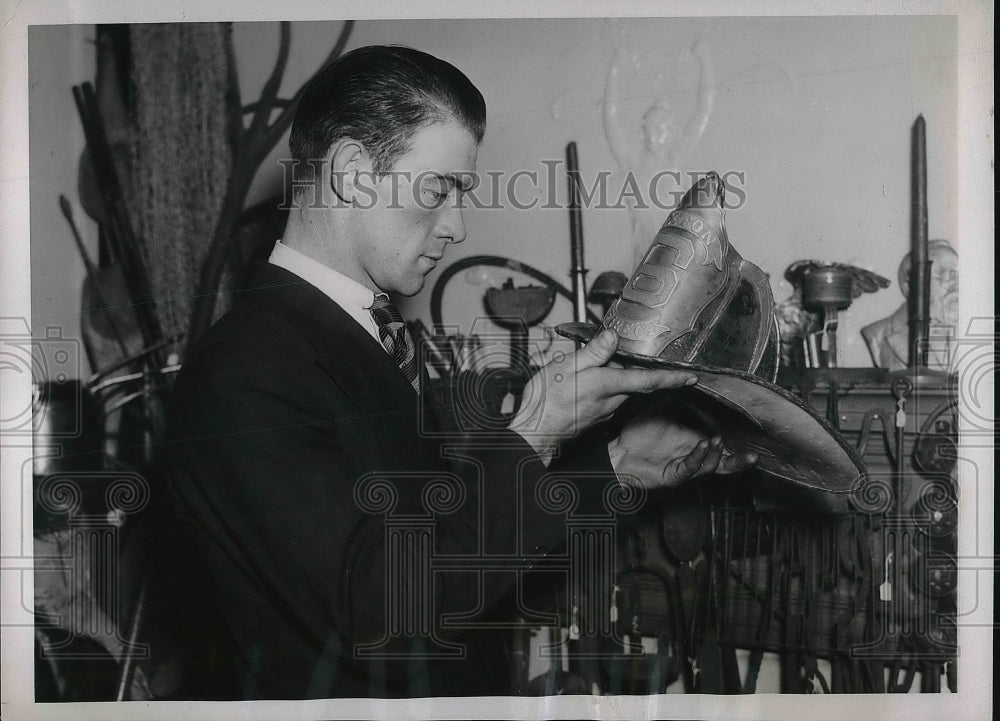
x,y
182,156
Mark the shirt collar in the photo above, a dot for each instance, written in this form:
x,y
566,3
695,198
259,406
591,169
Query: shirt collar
x,y
345,292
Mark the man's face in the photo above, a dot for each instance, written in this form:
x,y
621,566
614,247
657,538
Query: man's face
x,y
407,218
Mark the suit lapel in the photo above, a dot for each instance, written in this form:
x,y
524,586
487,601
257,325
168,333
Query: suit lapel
x,y
348,354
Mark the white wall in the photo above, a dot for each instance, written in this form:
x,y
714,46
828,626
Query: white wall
x,y
59,57
816,112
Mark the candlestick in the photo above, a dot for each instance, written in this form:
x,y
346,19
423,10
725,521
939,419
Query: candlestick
x,y
578,271
920,267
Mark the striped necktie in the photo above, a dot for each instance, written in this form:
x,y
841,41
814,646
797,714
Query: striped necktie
x,y
396,338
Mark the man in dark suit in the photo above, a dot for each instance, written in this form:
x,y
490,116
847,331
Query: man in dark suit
x,y
297,428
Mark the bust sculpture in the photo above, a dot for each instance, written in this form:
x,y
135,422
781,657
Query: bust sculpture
x,y
888,338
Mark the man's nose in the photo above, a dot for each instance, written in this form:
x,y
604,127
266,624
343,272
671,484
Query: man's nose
x,y
452,223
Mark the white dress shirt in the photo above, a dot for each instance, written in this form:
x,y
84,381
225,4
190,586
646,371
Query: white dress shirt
x,y
354,298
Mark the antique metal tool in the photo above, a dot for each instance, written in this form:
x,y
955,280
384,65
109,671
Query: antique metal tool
x,y
517,310
829,288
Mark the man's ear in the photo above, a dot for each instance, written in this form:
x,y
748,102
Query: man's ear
x,y
348,159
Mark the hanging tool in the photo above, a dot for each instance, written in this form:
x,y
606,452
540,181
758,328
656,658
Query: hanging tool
x,y
901,389
554,676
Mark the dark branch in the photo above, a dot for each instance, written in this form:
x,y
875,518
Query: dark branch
x,y
234,117
265,104
257,142
285,119
278,103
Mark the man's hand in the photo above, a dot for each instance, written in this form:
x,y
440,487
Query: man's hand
x,y
564,399
655,451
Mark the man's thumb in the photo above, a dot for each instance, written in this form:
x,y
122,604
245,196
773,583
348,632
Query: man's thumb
x,y
599,350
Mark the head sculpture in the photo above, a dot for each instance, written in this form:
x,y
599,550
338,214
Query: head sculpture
x,y
944,281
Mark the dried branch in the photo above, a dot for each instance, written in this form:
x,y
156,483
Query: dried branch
x,y
270,91
233,101
278,103
285,119
254,145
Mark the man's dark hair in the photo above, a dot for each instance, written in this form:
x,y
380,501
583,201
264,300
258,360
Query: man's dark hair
x,y
380,96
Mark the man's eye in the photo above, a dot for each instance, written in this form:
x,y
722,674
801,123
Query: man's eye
x,y
436,195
